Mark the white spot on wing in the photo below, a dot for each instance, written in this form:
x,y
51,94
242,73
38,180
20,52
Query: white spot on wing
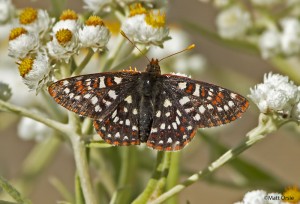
x,y
134,111
153,130
94,100
71,95
67,90
114,114
127,122
163,126
202,109
174,125
117,135
233,95
134,127
184,100
178,112
219,109
168,114
182,85
226,108
87,95
209,106
177,120
197,117
197,90
230,103
158,114
65,82
117,80
167,103
97,108
112,94
169,140
128,99
116,119
101,83
77,97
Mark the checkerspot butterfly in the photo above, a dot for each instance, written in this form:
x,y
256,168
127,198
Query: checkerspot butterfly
x,y
163,110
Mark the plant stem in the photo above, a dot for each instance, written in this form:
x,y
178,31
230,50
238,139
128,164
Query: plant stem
x,y
84,62
77,144
160,188
173,176
267,124
145,195
122,194
5,106
82,168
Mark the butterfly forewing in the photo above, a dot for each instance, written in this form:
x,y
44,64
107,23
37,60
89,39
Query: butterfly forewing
x,y
121,127
186,105
94,95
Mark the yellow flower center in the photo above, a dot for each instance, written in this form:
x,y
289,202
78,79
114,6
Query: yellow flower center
x,y
113,26
16,32
292,195
94,21
63,36
68,15
155,20
25,66
137,9
28,15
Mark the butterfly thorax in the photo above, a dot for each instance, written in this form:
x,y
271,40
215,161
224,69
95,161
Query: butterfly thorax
x,y
148,90
153,67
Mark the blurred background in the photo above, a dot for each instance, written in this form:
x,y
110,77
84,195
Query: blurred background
x,y
233,68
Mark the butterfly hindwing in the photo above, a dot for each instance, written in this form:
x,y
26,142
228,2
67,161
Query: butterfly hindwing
x,y
171,128
121,127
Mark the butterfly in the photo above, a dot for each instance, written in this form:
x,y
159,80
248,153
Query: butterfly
x,y
162,110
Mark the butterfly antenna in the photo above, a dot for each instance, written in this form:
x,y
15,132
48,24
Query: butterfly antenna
x,y
185,49
125,36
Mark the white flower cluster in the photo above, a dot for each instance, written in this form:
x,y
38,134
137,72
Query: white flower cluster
x,y
277,95
262,197
233,22
275,33
273,41
145,27
98,6
37,42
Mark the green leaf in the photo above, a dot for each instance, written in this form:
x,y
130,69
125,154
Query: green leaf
x,y
12,191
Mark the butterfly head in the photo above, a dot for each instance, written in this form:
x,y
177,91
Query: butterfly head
x,y
153,67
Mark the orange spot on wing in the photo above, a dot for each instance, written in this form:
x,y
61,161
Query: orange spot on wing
x,y
245,106
182,128
221,95
189,88
109,81
202,92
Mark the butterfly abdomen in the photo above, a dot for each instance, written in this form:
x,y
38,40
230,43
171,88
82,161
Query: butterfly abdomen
x,y
147,90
